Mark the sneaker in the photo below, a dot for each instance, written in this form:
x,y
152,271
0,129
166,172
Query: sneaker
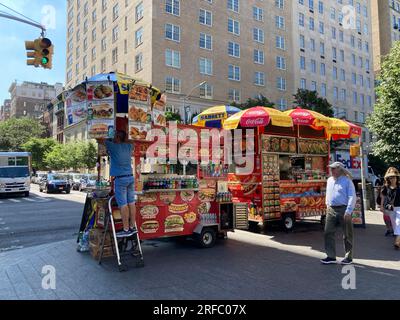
x,y
125,234
347,261
388,233
133,230
328,261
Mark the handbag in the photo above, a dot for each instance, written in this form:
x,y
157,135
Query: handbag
x,y
390,206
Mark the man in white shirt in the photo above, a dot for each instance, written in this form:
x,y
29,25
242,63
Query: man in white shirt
x,y
340,202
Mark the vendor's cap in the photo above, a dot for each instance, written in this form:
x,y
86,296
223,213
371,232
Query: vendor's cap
x,y
392,172
336,165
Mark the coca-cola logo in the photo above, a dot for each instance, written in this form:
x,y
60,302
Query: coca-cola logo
x,y
255,122
301,114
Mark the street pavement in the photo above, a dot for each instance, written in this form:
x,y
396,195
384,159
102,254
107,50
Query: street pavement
x,y
248,265
40,219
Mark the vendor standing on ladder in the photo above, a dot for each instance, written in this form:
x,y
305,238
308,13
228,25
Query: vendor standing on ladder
x,y
120,152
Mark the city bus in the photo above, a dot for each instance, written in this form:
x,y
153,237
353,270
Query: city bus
x,y
15,172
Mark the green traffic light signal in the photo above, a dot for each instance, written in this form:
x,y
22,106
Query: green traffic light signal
x,y
45,61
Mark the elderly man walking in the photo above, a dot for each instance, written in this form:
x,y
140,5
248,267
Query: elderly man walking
x,y
340,202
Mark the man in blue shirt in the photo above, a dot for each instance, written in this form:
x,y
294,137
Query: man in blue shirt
x,y
120,152
340,202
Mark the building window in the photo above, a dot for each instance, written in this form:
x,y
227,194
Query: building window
x,y
280,42
233,26
282,104
115,33
258,35
281,63
139,11
234,95
280,22
172,7
303,84
234,72
139,62
115,12
206,66
233,5
323,90
172,85
258,56
301,19
302,63
281,83
259,78
139,37
172,32
205,41
322,70
115,56
206,91
258,14
103,44
205,17
103,65
173,58
233,49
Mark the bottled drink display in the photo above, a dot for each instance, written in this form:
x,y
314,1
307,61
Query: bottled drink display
x,y
224,197
171,183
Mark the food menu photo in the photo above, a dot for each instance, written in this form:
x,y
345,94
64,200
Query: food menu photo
x,y
101,106
75,101
139,112
278,144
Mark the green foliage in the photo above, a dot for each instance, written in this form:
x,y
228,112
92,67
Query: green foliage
x,y
384,122
56,159
173,116
250,103
310,100
16,132
39,148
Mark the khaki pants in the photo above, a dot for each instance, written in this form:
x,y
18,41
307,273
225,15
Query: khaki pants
x,y
335,217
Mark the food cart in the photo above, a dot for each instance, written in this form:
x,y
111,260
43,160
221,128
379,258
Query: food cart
x,y
175,197
290,169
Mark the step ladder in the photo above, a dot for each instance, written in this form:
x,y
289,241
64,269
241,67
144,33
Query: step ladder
x,y
121,247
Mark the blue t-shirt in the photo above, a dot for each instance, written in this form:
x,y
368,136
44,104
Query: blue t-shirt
x,y
121,158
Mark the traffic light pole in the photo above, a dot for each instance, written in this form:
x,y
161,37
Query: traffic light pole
x,y
11,17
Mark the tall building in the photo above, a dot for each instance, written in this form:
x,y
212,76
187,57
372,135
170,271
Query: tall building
x,y
176,45
385,28
332,49
5,110
240,49
30,99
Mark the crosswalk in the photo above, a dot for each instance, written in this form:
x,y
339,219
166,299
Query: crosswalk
x,y
31,199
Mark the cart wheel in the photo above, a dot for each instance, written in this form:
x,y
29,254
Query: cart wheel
x,y
288,222
140,264
207,238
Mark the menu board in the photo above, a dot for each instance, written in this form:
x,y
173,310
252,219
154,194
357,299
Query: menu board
x,y
101,109
278,144
271,190
313,147
76,107
139,112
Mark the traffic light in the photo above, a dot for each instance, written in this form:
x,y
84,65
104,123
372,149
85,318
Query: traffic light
x,y
40,53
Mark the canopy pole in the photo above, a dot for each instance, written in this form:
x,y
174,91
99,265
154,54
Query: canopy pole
x,y
363,181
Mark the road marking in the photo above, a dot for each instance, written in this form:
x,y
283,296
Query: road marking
x,y
14,200
4,229
30,200
11,248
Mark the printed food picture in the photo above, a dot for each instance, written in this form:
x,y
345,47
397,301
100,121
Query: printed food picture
x,y
178,208
102,91
138,131
174,223
150,226
149,212
204,208
139,93
187,196
152,197
138,113
79,95
101,110
167,196
190,217
100,129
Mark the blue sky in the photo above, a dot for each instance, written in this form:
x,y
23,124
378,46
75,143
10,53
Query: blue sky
x,y
12,43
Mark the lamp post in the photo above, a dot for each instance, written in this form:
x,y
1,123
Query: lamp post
x,y
187,96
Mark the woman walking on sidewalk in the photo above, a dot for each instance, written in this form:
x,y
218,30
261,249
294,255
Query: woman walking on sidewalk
x,y
391,201
386,217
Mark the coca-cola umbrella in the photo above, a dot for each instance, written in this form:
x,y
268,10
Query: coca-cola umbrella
x,y
258,117
342,129
305,117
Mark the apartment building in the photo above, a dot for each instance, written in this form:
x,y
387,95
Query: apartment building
x,y
332,48
30,99
232,47
5,110
385,28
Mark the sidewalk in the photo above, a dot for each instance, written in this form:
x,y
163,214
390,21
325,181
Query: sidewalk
x,y
246,266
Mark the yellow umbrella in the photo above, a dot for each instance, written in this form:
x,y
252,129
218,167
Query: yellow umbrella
x,y
258,117
338,127
305,117
214,117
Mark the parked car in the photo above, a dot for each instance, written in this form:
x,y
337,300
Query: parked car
x,y
54,182
38,176
88,181
76,180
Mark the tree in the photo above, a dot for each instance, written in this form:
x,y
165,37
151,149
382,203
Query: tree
x,y
89,155
56,158
384,121
15,132
310,100
257,102
173,116
39,149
